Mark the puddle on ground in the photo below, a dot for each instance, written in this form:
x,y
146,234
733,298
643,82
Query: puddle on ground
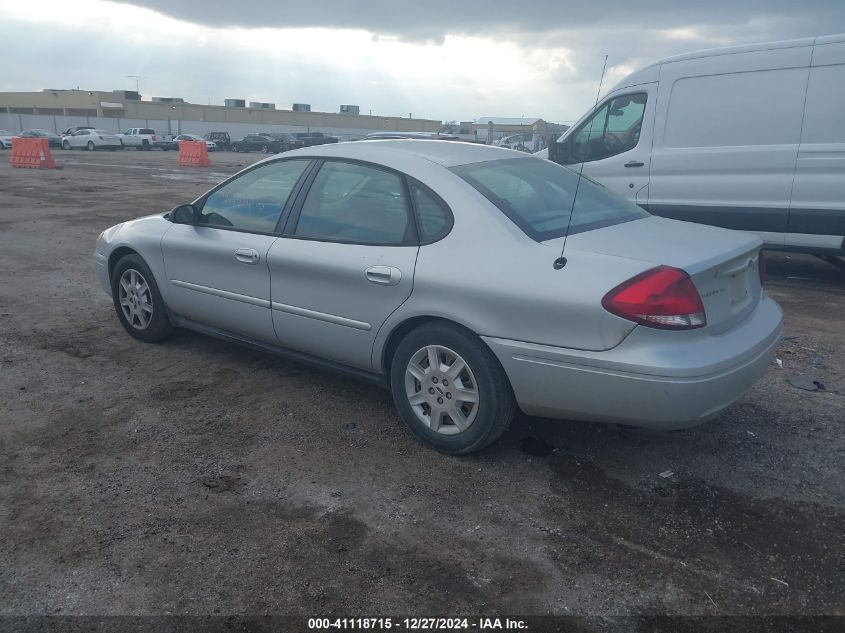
x,y
535,447
212,177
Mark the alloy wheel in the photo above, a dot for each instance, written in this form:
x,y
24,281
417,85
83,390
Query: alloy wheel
x,y
441,390
135,299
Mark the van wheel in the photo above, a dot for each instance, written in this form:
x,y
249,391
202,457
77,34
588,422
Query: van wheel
x,y
450,389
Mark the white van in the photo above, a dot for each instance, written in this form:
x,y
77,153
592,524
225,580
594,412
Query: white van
x,y
746,137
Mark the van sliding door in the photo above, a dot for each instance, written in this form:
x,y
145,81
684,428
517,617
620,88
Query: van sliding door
x,y
726,139
817,208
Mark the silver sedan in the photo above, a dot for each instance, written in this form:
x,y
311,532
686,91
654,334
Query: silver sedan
x,y
470,280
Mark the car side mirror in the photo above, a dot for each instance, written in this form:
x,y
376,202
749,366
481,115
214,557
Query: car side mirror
x,y
184,214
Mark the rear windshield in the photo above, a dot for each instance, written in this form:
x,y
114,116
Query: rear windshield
x,y
146,131
537,196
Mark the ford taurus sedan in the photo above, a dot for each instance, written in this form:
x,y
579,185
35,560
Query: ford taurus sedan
x,y
463,277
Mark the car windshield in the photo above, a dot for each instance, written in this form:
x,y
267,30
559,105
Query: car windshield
x,y
537,196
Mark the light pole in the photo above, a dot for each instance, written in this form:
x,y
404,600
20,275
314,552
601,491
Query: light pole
x,y
137,79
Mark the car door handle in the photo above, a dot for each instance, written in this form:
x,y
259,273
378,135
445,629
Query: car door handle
x,y
634,163
247,255
385,275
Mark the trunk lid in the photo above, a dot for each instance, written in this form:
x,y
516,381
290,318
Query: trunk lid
x,y
723,264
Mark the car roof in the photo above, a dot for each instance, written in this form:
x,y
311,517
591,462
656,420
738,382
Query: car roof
x,y
448,154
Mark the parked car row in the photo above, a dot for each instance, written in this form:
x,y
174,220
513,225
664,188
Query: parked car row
x,y
146,139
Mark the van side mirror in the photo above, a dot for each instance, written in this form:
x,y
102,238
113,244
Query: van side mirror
x,y
184,214
559,152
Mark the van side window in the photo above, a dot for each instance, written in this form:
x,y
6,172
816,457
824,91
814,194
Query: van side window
x,y
613,129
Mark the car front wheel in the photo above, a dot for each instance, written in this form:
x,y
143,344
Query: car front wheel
x,y
140,307
450,389
91,146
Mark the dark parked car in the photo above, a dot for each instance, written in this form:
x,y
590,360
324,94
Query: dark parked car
x,y
220,139
315,138
288,141
257,143
54,139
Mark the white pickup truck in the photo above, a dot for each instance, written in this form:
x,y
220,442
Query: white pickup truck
x,y
139,138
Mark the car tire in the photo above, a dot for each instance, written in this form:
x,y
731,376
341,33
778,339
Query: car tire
x,y
145,145
265,149
65,145
425,397
133,287
90,146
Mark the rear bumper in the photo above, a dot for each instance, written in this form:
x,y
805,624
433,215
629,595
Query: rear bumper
x,y
654,379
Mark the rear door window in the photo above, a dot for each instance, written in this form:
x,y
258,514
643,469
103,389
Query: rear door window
x,y
350,202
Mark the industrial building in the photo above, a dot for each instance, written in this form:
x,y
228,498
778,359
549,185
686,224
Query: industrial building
x,y
57,110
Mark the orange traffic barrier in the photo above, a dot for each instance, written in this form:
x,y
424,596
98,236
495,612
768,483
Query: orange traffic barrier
x,y
193,154
33,153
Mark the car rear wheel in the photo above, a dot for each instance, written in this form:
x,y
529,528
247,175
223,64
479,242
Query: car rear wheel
x,y
450,389
140,307
265,149
91,146
65,145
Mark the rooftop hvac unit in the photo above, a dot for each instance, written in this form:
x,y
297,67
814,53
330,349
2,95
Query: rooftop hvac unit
x,y
235,103
350,109
258,105
168,100
302,107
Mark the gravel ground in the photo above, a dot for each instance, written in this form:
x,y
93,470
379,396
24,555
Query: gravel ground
x,y
198,477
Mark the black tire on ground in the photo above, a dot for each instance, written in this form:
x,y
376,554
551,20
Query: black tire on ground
x,y
66,145
145,145
496,406
91,146
265,149
159,326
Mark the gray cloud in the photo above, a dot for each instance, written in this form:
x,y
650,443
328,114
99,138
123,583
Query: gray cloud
x,y
432,19
564,43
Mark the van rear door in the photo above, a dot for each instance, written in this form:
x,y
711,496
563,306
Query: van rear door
x,y
817,208
726,139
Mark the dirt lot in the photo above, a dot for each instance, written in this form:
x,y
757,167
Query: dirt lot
x,y
198,477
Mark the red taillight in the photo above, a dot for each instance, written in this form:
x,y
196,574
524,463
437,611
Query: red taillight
x,y
662,297
761,266
154,137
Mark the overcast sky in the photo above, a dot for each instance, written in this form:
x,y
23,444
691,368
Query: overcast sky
x,y
440,59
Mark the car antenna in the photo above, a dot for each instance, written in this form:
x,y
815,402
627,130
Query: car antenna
x,y
560,262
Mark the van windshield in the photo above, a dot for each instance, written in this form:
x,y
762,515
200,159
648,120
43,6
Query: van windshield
x,y
537,196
